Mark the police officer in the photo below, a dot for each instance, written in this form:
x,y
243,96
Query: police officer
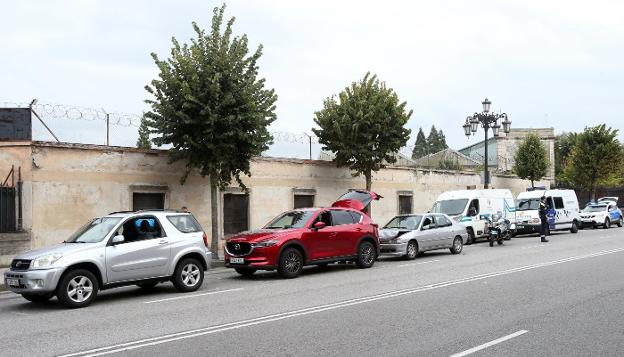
x,y
543,214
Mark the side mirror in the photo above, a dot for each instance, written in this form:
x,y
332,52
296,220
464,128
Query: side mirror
x,y
118,239
319,225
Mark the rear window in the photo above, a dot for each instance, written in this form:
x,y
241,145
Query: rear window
x,y
341,217
185,223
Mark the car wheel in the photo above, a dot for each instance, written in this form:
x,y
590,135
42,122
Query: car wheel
x,y
78,288
471,237
290,263
575,227
412,250
37,298
366,255
607,224
458,245
619,222
245,271
147,286
188,275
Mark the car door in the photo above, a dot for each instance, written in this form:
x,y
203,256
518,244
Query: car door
x,y
427,237
347,233
144,253
444,232
319,242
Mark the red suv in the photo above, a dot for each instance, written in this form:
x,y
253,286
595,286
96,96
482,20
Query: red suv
x,y
309,236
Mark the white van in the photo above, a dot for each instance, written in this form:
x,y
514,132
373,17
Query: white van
x,y
563,211
467,207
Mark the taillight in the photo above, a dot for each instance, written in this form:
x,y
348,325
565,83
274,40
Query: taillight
x,y
205,237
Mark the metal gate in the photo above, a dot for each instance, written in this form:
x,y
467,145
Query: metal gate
x,y
11,203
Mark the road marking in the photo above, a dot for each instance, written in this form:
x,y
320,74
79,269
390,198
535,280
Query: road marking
x,y
153,341
534,246
490,344
421,263
192,296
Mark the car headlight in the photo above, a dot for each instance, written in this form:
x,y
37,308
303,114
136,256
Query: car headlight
x,y
45,261
265,244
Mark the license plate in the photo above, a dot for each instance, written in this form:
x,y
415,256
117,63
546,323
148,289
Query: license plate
x,y
237,260
520,227
13,282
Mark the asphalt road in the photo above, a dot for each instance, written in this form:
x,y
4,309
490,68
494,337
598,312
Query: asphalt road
x,y
524,298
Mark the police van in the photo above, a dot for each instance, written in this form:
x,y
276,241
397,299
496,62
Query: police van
x,y
471,207
563,211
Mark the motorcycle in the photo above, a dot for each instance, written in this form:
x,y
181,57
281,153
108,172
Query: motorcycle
x,y
499,229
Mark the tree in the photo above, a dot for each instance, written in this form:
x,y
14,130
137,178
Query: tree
x,y
441,144
432,140
143,142
364,127
212,108
593,156
531,161
564,143
420,147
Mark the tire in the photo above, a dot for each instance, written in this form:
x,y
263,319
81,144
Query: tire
x,y
575,227
37,298
246,271
412,250
499,242
290,263
366,255
458,245
188,275
77,288
471,237
607,224
147,286
491,243
619,222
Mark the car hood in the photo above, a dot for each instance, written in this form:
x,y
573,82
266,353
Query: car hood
x,y
261,234
63,248
387,234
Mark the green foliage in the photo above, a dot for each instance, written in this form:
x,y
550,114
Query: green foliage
x,y
210,105
564,143
364,127
531,161
421,148
143,142
595,158
448,164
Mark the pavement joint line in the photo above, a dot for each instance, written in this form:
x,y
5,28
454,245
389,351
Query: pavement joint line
x,y
490,344
194,295
153,341
421,263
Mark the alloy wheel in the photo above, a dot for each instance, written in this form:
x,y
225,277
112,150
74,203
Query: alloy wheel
x,y
190,274
292,263
80,289
368,254
457,245
412,250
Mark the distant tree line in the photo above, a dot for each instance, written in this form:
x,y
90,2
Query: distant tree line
x,y
434,142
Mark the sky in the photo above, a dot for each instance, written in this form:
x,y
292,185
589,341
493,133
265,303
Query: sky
x,y
544,63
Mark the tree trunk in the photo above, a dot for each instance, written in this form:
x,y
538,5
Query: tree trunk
x,y
532,184
214,219
368,210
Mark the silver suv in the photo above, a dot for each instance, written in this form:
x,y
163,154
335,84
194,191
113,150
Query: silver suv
x,y
140,248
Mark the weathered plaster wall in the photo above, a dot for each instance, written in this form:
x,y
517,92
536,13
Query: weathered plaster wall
x,y
73,183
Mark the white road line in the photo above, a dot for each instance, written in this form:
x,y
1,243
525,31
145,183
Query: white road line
x,y
317,309
421,263
194,295
490,344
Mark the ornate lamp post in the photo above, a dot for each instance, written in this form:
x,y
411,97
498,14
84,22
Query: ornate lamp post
x,y
487,120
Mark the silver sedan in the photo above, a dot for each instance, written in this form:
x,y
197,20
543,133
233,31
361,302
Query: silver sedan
x,y
410,235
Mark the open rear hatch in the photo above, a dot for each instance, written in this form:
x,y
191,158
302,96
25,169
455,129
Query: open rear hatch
x,y
356,199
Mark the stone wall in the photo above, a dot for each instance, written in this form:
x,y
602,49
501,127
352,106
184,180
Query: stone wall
x,y
68,184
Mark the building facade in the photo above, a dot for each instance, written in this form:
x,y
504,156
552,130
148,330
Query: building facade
x,y
65,185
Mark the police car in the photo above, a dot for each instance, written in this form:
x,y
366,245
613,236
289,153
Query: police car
x,y
602,213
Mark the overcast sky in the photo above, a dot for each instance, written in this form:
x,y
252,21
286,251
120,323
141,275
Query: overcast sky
x,y
545,63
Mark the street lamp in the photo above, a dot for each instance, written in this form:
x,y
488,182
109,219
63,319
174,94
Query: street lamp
x,y
487,120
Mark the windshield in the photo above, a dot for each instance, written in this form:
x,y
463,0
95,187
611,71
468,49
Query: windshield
x,y
450,207
94,231
404,222
595,209
527,204
293,219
